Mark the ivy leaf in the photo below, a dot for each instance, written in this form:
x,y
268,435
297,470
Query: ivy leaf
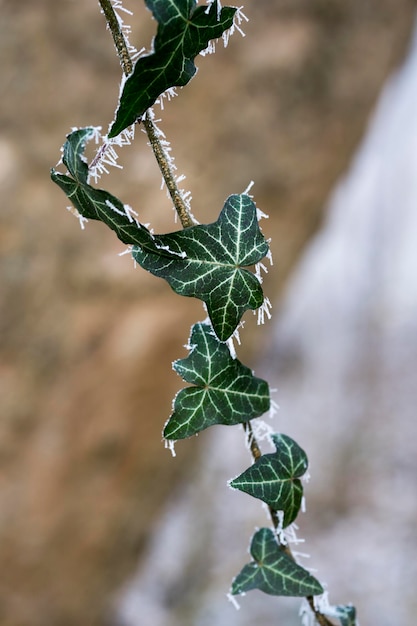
x,y
345,613
274,478
225,392
210,263
184,30
205,261
274,572
92,203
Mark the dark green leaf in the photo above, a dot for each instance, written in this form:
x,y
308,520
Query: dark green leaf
x,y
210,263
205,261
274,478
273,572
92,203
184,30
225,392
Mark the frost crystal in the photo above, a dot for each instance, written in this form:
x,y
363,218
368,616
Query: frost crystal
x,y
235,336
239,17
234,601
291,535
114,208
166,95
264,309
248,188
125,28
323,605
231,347
274,406
261,215
258,267
170,445
182,254
219,7
261,430
127,251
106,155
307,616
301,555
82,220
280,516
130,213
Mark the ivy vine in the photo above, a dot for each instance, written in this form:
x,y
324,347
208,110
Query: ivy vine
x,y
214,263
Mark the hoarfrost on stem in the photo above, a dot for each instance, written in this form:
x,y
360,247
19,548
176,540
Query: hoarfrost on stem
x,y
125,28
262,430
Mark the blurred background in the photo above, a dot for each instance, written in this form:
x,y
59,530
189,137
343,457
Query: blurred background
x,y
93,510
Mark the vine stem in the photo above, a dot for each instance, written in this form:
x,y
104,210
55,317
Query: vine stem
x,y
256,455
166,169
162,157
186,219
118,37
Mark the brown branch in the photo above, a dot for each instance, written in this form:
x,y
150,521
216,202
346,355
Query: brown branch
x,y
253,444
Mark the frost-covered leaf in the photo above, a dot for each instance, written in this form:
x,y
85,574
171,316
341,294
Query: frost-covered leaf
x,y
207,261
184,30
273,572
92,203
345,613
225,391
210,263
274,478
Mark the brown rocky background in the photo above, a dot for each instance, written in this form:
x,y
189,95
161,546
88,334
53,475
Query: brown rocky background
x,y
86,340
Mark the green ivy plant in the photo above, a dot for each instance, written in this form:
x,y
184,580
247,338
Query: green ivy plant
x,y
214,263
